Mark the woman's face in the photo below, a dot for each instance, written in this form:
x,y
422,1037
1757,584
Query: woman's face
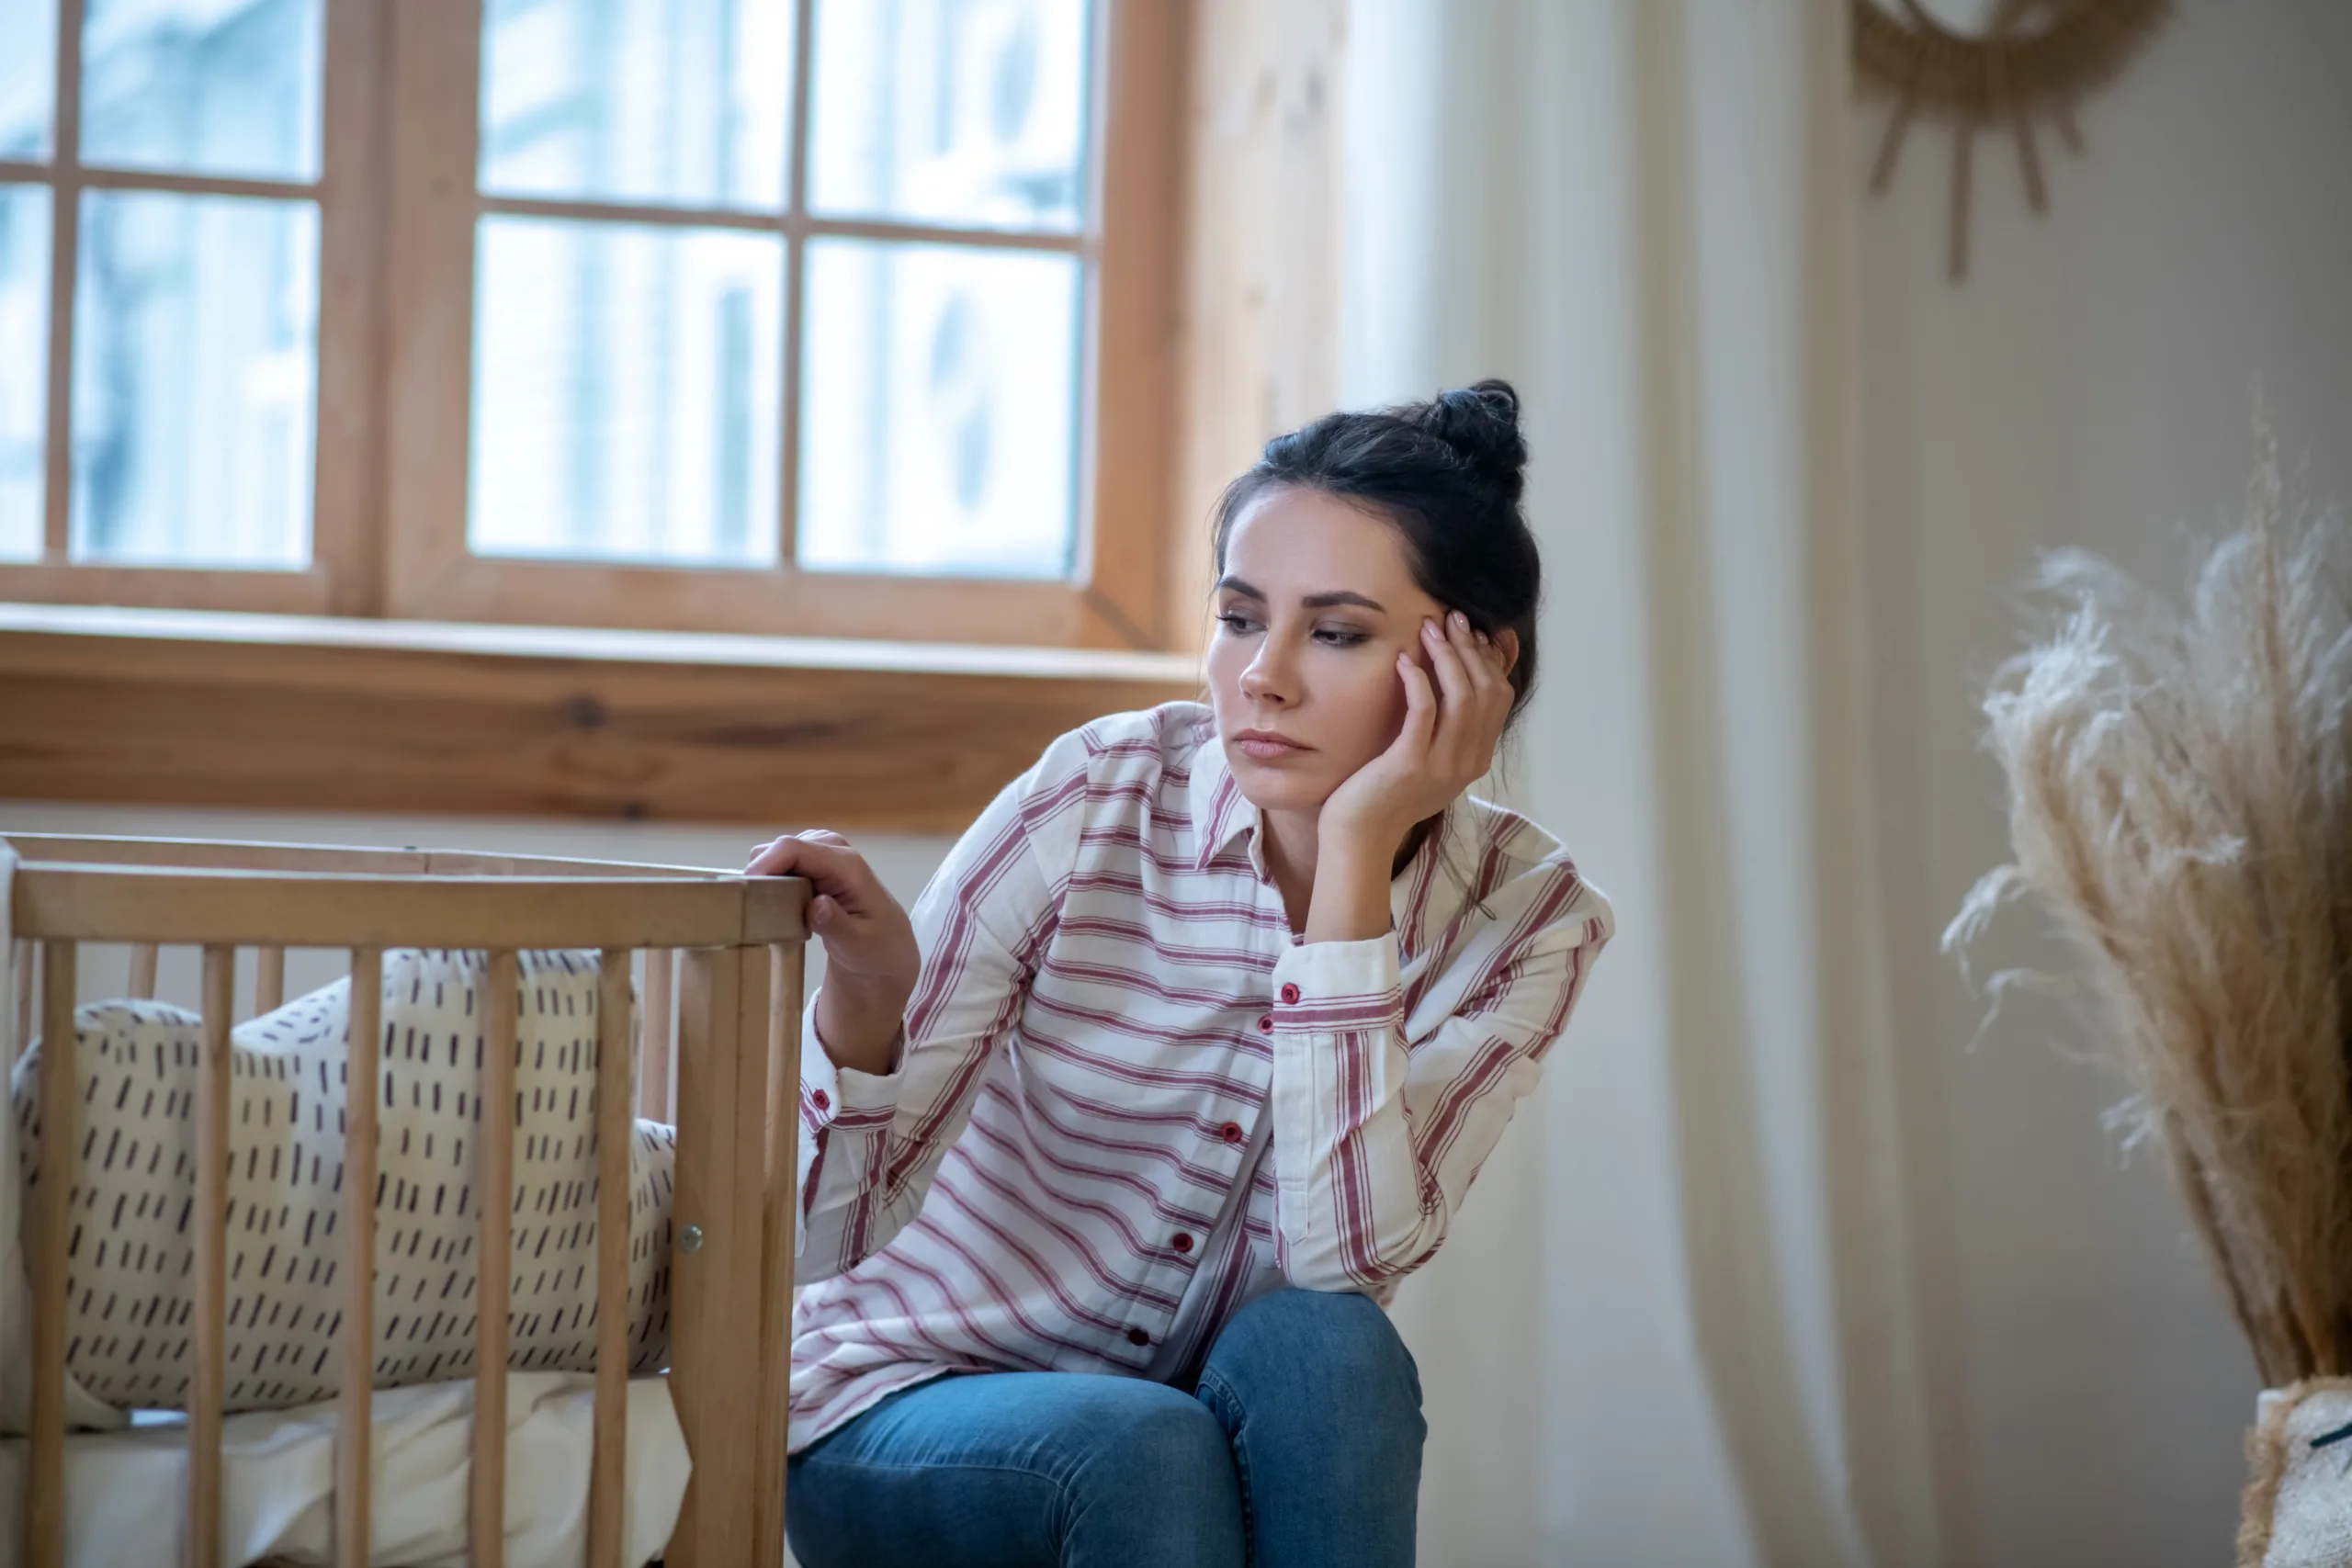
x,y
1314,604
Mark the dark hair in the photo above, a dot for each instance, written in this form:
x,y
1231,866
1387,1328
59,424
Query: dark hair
x,y
1448,473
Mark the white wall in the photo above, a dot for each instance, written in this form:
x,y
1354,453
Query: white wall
x,y
2088,384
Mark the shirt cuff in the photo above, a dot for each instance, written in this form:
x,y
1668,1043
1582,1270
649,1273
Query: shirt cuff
x,y
1325,986
845,1098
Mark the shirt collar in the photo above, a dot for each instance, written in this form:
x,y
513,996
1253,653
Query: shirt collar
x,y
1221,813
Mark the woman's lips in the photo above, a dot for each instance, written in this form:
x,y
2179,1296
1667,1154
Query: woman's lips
x,y
1265,748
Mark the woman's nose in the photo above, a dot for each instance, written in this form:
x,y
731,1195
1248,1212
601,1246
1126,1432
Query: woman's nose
x,y
1262,684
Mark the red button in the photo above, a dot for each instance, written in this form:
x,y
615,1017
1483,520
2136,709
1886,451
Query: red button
x,y
1137,1336
1182,1242
1231,1132
1266,1024
1290,994
820,1100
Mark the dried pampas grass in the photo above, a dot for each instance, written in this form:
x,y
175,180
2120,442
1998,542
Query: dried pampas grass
x,y
2180,796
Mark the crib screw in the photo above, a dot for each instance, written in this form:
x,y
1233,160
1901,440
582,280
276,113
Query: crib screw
x,y
690,1238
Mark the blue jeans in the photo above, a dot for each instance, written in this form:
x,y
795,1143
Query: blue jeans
x,y
1302,1449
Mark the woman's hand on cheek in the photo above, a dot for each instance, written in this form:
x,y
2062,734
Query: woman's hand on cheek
x,y
1454,713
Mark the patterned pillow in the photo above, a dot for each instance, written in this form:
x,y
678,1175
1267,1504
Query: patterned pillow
x,y
130,1252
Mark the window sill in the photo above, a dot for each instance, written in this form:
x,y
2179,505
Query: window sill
x,y
321,713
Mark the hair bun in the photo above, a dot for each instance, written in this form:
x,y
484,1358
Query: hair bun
x,y
1481,424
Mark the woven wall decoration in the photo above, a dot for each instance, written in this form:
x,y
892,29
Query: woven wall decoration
x,y
2032,60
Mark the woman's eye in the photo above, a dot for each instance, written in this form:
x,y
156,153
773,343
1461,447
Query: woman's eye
x,y
1239,624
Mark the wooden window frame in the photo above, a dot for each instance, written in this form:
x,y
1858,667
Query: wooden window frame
x,y
344,495
319,703
398,206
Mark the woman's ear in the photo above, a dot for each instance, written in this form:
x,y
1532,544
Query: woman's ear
x,y
1508,640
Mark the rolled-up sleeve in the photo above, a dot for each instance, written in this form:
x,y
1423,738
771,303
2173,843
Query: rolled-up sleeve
x,y
870,1143
1381,1123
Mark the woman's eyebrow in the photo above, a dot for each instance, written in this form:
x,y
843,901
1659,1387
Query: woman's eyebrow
x,y
1310,602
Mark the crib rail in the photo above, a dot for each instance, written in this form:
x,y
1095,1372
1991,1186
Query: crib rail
x,y
232,855
273,909
724,951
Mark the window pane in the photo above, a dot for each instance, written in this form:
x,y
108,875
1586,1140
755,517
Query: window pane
x,y
195,334
202,86
950,111
939,415
626,393
24,366
637,100
28,76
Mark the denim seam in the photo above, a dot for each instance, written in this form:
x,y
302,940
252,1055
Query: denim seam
x,y
1226,1403
1058,1482
1057,1478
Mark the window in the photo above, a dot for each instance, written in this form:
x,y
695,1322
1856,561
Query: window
x,y
808,317
163,236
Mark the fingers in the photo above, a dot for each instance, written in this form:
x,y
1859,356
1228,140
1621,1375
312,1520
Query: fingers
x,y
815,835
867,936
1446,661
1484,660
794,855
806,836
1453,655
1489,667
823,857
1420,703
1481,659
1469,673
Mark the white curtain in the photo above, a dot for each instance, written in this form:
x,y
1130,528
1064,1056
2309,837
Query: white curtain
x,y
1675,1325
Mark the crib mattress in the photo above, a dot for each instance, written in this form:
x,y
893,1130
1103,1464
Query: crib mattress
x,y
126,1490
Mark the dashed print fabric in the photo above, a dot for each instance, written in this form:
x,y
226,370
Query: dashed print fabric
x,y
130,1253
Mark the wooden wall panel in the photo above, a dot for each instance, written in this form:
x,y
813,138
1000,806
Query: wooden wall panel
x,y
1258,346
194,722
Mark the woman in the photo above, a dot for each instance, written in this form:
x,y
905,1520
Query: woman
x,y
1188,1054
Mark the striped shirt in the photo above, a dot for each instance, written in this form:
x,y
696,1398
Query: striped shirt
x,y
1130,1098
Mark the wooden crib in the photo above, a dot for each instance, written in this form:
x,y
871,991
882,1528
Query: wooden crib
x,y
730,946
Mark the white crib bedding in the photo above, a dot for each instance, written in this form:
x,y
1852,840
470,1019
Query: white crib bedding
x,y
127,1495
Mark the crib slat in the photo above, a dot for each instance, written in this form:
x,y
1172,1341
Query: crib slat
x,y
716,1289
705,1164
269,980
653,1072
616,1131
782,1185
45,1480
23,969
142,970
494,1190
209,1385
355,1428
